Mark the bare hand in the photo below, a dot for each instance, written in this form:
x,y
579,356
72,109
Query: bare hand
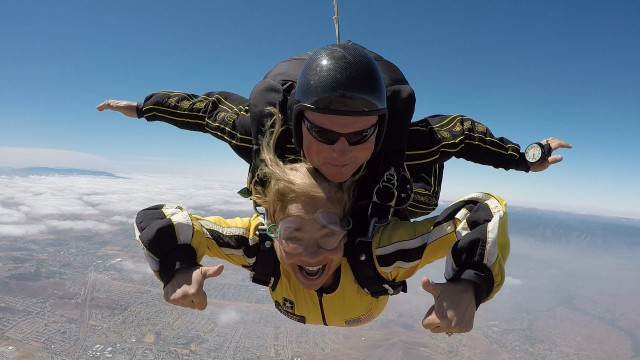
x,y
453,309
127,108
186,289
553,159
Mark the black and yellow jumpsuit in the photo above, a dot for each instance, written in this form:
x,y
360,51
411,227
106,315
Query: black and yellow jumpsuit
x,y
471,233
423,146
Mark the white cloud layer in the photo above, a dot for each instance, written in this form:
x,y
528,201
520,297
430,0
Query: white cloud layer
x,y
35,205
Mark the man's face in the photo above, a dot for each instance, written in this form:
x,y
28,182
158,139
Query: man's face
x,y
337,162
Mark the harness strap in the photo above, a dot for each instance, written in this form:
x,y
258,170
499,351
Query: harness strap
x,y
266,260
360,258
396,188
384,198
393,192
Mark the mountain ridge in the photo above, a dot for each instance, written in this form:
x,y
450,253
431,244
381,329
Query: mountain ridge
x,y
50,171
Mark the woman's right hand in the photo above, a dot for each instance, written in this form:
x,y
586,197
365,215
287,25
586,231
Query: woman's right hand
x,y
186,289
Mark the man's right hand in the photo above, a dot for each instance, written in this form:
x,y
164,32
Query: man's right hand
x,y
127,108
186,289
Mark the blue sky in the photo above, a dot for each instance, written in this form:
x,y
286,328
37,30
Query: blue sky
x,y
526,69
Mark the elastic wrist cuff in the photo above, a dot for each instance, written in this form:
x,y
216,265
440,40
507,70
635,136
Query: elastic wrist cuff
x,y
183,256
139,113
482,283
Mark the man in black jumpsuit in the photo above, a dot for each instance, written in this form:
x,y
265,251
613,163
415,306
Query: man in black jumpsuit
x,y
430,141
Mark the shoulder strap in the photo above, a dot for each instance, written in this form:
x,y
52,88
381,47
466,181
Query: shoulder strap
x,y
263,269
395,189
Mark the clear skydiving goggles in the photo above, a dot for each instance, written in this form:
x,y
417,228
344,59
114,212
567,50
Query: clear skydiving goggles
x,y
294,237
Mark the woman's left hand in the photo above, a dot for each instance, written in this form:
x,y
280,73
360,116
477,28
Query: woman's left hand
x,y
453,309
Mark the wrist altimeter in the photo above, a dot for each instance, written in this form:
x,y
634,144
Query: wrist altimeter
x,y
537,152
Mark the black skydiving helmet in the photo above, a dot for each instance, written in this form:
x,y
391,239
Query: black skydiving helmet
x,y
340,79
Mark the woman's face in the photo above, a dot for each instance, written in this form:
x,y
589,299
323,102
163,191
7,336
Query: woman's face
x,y
310,243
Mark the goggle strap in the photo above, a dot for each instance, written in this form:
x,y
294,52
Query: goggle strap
x,y
272,234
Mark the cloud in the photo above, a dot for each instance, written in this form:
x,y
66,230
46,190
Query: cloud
x,y
120,219
227,316
22,230
137,270
510,281
79,225
11,216
38,204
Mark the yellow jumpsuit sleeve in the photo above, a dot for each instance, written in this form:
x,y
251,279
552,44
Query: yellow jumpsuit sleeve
x,y
173,238
471,233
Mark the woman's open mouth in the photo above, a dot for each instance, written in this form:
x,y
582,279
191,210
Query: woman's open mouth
x,y
312,272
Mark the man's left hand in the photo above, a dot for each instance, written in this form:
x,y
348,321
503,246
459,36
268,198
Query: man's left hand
x,y
553,159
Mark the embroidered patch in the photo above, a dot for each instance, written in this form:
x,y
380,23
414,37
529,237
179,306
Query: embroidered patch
x,y
360,320
289,304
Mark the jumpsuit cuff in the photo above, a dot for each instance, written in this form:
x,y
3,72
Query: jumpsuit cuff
x,y
183,256
523,164
139,112
482,281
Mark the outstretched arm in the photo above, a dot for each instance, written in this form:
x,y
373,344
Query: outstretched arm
x,y
438,138
223,114
472,234
175,241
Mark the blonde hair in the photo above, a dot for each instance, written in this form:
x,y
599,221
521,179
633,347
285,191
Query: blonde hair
x,y
289,183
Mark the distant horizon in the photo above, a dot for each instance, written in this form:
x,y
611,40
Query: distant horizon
x,y
444,200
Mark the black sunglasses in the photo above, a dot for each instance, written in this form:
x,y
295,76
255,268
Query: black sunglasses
x,y
331,137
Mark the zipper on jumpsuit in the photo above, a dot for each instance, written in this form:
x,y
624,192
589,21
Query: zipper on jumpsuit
x,y
324,320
